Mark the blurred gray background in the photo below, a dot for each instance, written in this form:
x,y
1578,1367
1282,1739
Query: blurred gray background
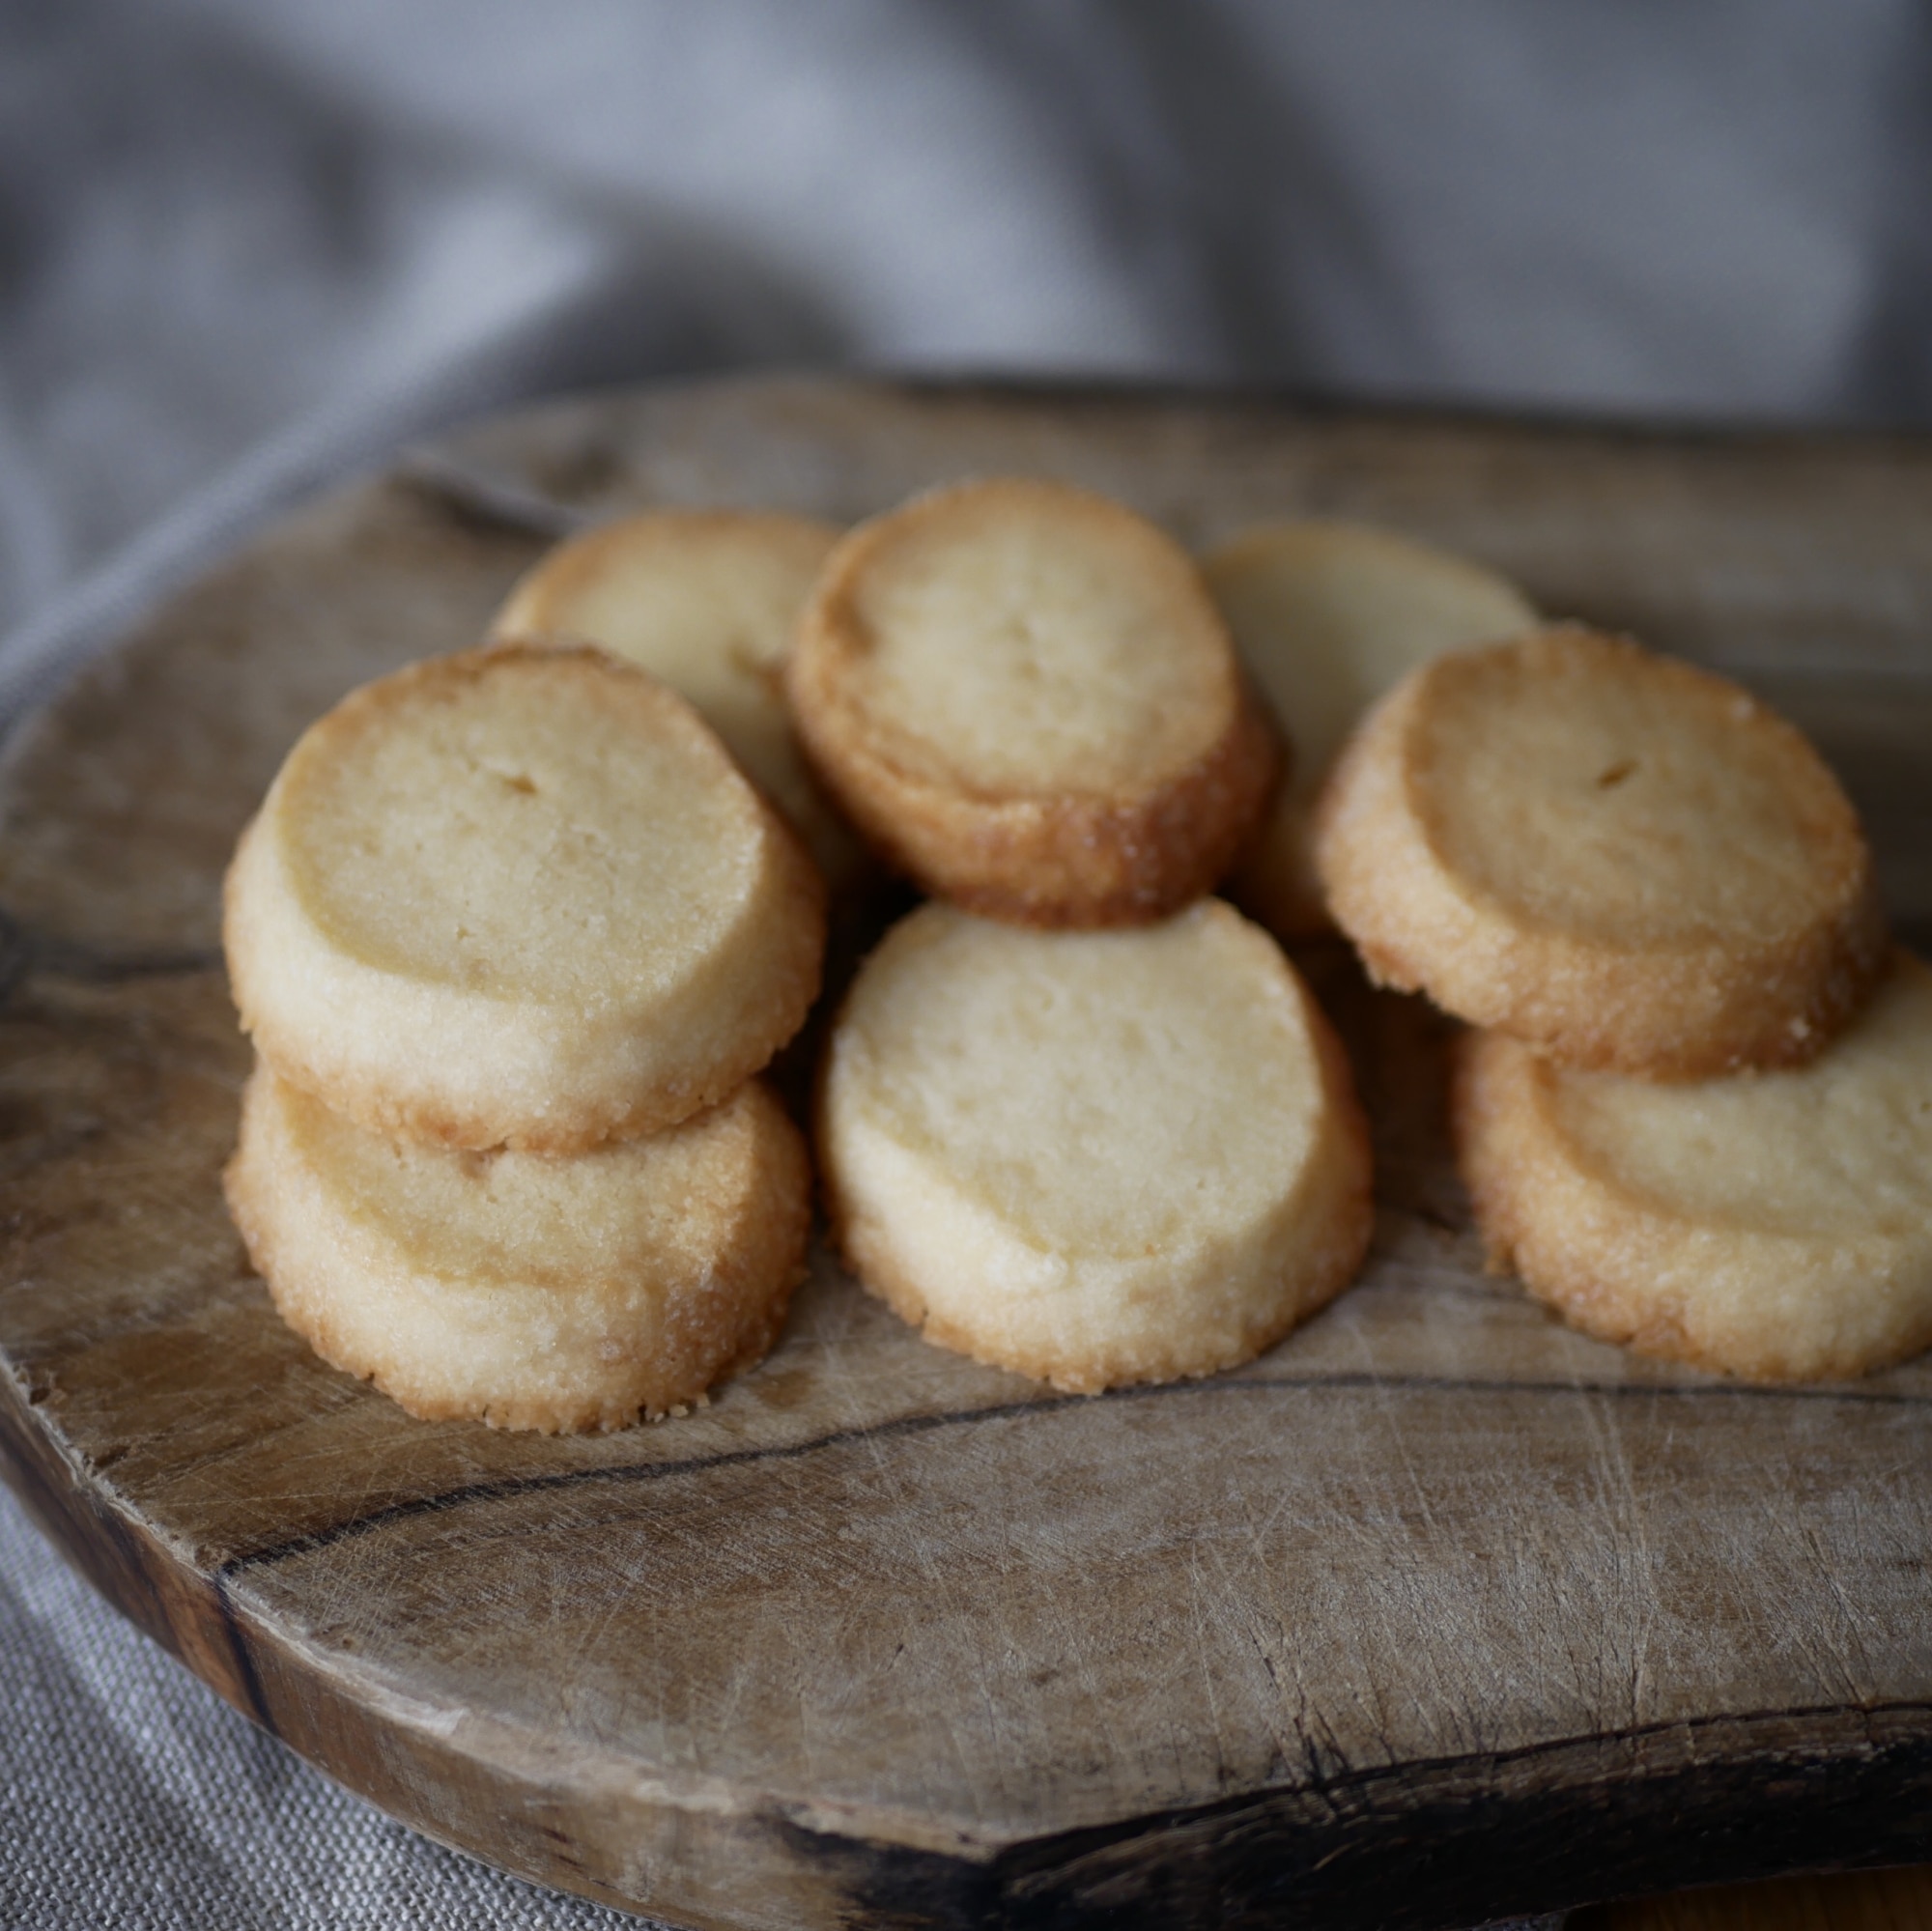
x,y
245,244
249,246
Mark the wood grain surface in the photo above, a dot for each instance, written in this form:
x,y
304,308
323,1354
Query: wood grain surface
x,y
1436,1613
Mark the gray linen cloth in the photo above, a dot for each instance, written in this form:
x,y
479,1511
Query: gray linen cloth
x,y
249,246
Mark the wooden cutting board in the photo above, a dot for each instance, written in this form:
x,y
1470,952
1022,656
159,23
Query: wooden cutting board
x,y
1435,1612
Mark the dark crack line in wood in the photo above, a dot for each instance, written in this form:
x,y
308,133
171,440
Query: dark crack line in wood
x,y
1033,1867
1348,1782
246,1676
907,1426
1244,404
25,953
491,502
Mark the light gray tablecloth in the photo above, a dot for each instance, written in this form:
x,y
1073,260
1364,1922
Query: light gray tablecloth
x,y
247,245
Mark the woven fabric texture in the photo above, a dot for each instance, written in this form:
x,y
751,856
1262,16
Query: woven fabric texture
x,y
131,1799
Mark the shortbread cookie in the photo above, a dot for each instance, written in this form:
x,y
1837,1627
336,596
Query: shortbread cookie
x,y
524,1289
520,898
1776,1225
1626,860
1024,696
709,601
1328,617
1095,1157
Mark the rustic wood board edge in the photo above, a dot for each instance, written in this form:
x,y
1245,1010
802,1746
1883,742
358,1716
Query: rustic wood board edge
x,y
1829,1788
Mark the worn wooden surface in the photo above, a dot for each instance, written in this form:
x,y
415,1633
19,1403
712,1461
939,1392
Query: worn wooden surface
x,y
1435,1612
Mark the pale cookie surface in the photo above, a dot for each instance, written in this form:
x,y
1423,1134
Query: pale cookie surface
x,y
520,897
1776,1225
531,1292
1095,1157
708,601
1618,857
1024,695
1328,616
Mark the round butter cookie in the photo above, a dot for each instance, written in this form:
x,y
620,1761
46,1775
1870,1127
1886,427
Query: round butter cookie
x,y
708,601
520,898
523,1289
1775,1225
1095,1157
1024,696
1328,617
1623,860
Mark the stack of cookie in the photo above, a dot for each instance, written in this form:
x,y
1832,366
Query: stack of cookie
x,y
708,601
1696,1119
1328,616
1073,1121
513,936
